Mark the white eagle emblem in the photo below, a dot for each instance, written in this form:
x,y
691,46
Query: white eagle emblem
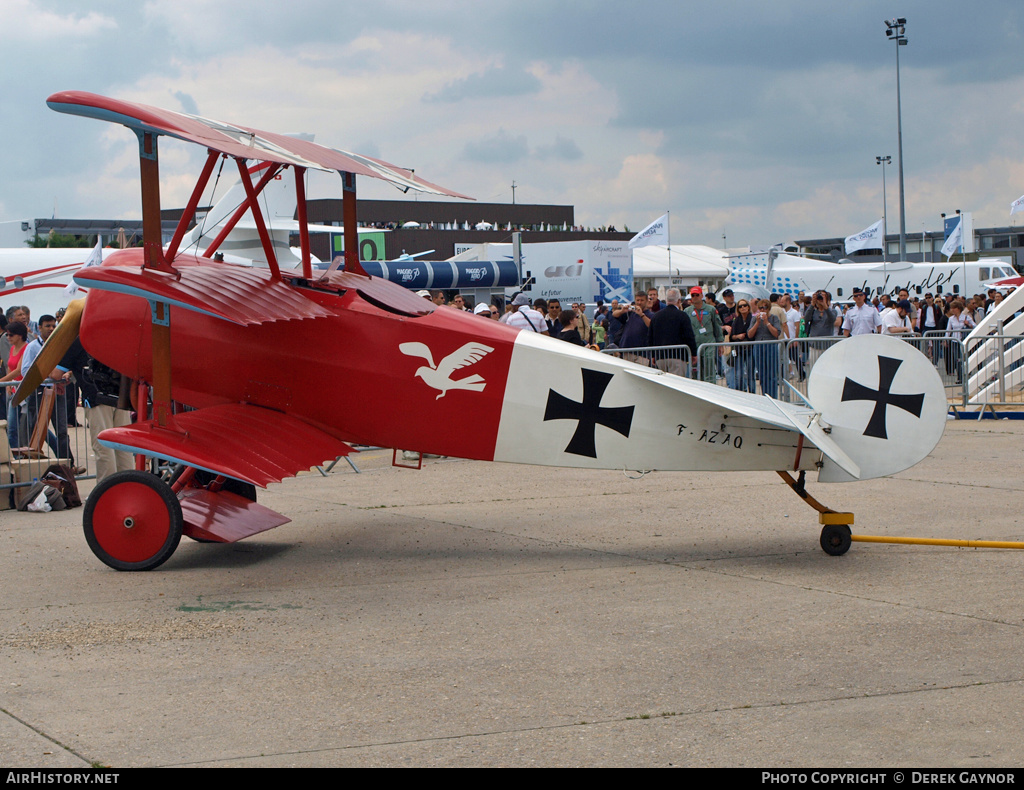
x,y
438,376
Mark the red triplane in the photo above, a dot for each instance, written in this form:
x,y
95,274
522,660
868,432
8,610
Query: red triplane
x,y
284,369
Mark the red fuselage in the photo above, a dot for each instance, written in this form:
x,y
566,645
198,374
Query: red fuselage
x,y
343,373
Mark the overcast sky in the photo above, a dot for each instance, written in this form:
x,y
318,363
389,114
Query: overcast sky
x,y
760,120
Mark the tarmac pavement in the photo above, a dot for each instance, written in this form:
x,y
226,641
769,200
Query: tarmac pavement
x,y
475,614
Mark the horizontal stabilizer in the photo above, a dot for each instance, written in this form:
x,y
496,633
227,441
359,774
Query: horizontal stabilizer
x,y
233,293
225,517
766,410
250,443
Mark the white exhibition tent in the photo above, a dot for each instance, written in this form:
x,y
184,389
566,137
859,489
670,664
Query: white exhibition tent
x,y
689,262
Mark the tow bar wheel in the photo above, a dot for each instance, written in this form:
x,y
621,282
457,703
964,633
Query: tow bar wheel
x,y
133,521
836,539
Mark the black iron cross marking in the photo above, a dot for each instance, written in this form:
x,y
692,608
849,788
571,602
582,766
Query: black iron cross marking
x,y
887,367
589,413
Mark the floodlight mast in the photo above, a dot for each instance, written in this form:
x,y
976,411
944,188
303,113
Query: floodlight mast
x,y
883,161
895,30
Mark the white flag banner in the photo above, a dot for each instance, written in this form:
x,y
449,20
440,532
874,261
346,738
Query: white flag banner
x,y
868,239
95,259
955,239
655,233
1017,205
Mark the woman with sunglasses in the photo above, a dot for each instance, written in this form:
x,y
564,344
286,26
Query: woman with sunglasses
x,y
766,326
17,335
743,378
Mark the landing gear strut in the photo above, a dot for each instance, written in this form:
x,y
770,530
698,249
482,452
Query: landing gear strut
x,y
835,534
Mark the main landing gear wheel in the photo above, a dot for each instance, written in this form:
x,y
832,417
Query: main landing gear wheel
x,y
835,539
133,521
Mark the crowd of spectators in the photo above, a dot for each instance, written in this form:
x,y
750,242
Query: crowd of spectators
x,y
736,341
733,330
76,381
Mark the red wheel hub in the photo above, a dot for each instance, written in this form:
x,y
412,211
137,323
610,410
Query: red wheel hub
x,y
131,522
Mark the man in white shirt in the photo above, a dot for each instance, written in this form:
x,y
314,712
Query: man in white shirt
x,y
897,321
792,315
525,317
796,361
862,318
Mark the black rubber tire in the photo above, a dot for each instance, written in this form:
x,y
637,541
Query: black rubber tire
x,y
108,539
835,539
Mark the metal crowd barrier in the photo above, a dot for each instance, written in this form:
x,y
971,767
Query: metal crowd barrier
x,y
780,368
981,373
757,366
801,354
671,359
946,352
31,449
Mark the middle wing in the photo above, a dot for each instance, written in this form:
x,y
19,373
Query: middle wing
x,y
233,293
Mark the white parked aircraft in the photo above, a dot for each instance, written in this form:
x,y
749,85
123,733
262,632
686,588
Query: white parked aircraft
x,y
38,277
758,274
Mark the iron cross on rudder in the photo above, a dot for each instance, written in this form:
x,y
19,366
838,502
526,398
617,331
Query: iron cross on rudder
x,y
589,414
887,367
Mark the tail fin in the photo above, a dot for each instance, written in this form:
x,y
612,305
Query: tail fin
x,y
884,402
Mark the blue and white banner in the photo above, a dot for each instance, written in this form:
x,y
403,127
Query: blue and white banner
x,y
1017,205
872,238
956,238
655,233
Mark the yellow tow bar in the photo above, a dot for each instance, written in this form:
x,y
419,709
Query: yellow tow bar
x,y
968,544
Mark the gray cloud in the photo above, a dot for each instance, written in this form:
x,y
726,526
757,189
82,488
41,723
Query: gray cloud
x,y
563,148
492,83
499,148
188,104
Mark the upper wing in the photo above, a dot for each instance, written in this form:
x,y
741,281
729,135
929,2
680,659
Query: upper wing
x,y
249,443
239,141
467,355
